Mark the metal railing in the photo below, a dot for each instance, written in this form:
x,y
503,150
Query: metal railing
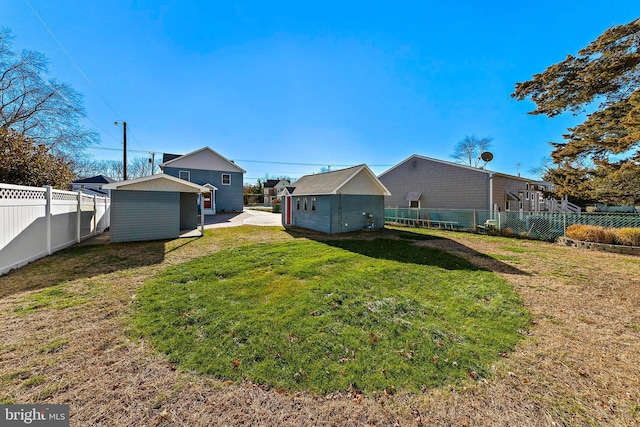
x,y
546,226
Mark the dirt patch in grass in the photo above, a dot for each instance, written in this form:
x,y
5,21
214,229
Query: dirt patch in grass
x,y
578,363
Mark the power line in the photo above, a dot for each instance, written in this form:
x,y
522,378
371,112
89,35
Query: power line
x,y
301,164
94,147
75,64
136,139
82,73
243,160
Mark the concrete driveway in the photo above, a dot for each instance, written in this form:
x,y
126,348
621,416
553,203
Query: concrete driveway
x,y
248,217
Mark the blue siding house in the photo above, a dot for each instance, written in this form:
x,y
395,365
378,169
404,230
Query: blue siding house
x,y
206,167
336,202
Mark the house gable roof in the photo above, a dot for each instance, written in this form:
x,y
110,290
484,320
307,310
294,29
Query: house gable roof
x,y
158,182
354,180
469,168
168,156
271,183
205,159
98,179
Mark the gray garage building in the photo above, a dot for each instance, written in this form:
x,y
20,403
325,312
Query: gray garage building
x,y
153,208
335,202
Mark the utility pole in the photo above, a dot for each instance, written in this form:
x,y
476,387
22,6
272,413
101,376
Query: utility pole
x,y
124,157
152,160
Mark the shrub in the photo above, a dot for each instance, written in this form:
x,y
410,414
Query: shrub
x,y
591,233
596,234
628,236
507,232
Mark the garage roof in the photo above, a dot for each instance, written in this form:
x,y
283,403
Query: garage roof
x,y
354,180
158,182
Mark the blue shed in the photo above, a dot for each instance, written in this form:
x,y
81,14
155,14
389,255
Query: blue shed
x,y
336,202
153,208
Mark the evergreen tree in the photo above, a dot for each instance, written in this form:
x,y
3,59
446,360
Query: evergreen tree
x,y
599,159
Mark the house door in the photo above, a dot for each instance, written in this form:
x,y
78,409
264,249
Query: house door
x,y
207,199
209,202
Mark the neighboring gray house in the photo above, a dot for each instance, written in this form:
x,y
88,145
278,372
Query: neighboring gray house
x,y
92,185
426,183
335,202
206,167
154,207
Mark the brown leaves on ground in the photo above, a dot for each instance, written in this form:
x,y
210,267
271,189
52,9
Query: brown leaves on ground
x,y
577,363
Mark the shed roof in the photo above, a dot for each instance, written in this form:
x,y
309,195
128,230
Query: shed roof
x,y
354,180
158,182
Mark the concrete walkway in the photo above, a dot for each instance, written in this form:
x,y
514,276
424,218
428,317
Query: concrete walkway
x,y
246,217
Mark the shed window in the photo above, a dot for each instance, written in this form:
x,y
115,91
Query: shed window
x,y
186,175
298,203
313,203
304,206
226,179
414,204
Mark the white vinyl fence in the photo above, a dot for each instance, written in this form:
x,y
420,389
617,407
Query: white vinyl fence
x,y
36,222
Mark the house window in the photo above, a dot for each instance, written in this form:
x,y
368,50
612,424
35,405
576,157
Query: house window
x,y
298,203
414,204
226,179
313,203
304,206
186,175
507,206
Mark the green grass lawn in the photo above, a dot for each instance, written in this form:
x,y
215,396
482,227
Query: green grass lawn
x,y
332,315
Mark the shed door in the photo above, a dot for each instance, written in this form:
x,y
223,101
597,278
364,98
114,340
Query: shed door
x,y
287,210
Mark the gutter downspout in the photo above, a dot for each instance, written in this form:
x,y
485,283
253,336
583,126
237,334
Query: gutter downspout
x,y
491,195
201,214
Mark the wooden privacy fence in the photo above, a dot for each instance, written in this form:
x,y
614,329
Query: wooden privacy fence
x,y
38,221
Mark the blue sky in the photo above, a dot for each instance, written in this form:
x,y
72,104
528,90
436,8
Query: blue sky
x,y
324,83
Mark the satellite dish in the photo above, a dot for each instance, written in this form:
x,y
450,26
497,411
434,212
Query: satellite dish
x,y
487,156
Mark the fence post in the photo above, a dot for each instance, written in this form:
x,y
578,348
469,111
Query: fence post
x,y
95,216
79,217
564,224
475,221
47,213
